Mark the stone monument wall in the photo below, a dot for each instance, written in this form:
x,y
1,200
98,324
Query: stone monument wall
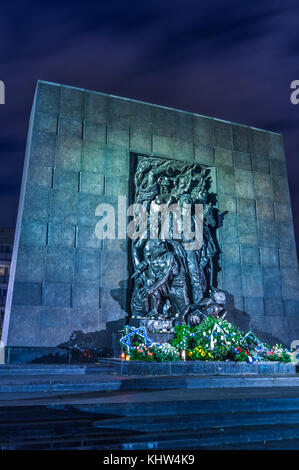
x,y
80,145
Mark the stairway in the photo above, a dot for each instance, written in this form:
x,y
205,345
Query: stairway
x,y
250,419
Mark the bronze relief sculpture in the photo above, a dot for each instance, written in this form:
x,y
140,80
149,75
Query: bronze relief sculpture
x,y
174,278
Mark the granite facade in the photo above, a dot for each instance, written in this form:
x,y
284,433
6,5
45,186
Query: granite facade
x,y
78,154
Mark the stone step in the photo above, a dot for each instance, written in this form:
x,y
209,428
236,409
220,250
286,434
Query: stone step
x,y
204,438
196,422
188,407
156,422
109,382
54,369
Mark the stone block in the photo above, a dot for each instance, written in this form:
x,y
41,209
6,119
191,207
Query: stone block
x,y
271,282
43,148
282,211
93,158
248,230
95,133
232,282
68,155
290,283
260,142
239,303
264,209
278,168
286,236
24,323
47,98
269,256
40,175
62,234
163,122
242,138
84,319
286,257
33,233
246,207
113,304
72,102
276,147
229,230
227,203
92,183
115,245
114,265
88,266
60,264
54,326
250,255
291,308
204,154
66,180
223,157
252,281
86,237
263,186
243,161
70,127
254,306
115,186
116,162
231,252
163,146
64,207
141,139
223,134
96,108
27,293
244,183
45,123
37,203
183,149
119,112
260,163
118,135
203,130
274,307
281,189
226,180
57,294
141,127
87,204
85,296
183,135
267,232
31,263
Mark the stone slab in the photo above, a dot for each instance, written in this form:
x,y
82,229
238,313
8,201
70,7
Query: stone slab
x,y
128,368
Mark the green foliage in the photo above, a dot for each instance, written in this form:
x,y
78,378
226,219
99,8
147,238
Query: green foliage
x,y
213,340
165,352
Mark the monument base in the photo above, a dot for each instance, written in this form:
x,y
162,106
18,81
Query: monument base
x,y
123,367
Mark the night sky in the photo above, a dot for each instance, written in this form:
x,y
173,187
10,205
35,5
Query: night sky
x,y
233,60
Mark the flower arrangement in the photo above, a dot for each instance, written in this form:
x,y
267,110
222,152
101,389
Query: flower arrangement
x,y
213,340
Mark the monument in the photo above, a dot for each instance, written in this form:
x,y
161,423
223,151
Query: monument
x,y
87,149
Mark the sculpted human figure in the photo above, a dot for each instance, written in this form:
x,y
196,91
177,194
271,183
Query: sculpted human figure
x,y
163,279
